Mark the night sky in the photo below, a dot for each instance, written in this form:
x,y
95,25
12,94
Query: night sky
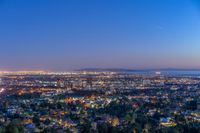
x,y
71,34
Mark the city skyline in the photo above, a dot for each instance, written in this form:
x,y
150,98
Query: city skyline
x,y
71,35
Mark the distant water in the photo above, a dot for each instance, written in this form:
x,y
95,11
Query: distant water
x,y
194,73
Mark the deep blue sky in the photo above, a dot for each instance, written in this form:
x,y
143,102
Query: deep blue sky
x,y
72,34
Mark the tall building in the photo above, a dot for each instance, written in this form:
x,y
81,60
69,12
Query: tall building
x,y
1,81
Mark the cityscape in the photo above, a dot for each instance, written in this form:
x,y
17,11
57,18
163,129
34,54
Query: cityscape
x,y
99,66
99,102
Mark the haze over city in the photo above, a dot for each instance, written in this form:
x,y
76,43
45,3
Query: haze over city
x,y
74,34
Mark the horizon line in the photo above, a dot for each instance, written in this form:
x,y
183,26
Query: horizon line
x,y
102,69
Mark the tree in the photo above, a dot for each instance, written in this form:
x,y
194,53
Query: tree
x,y
15,126
36,120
